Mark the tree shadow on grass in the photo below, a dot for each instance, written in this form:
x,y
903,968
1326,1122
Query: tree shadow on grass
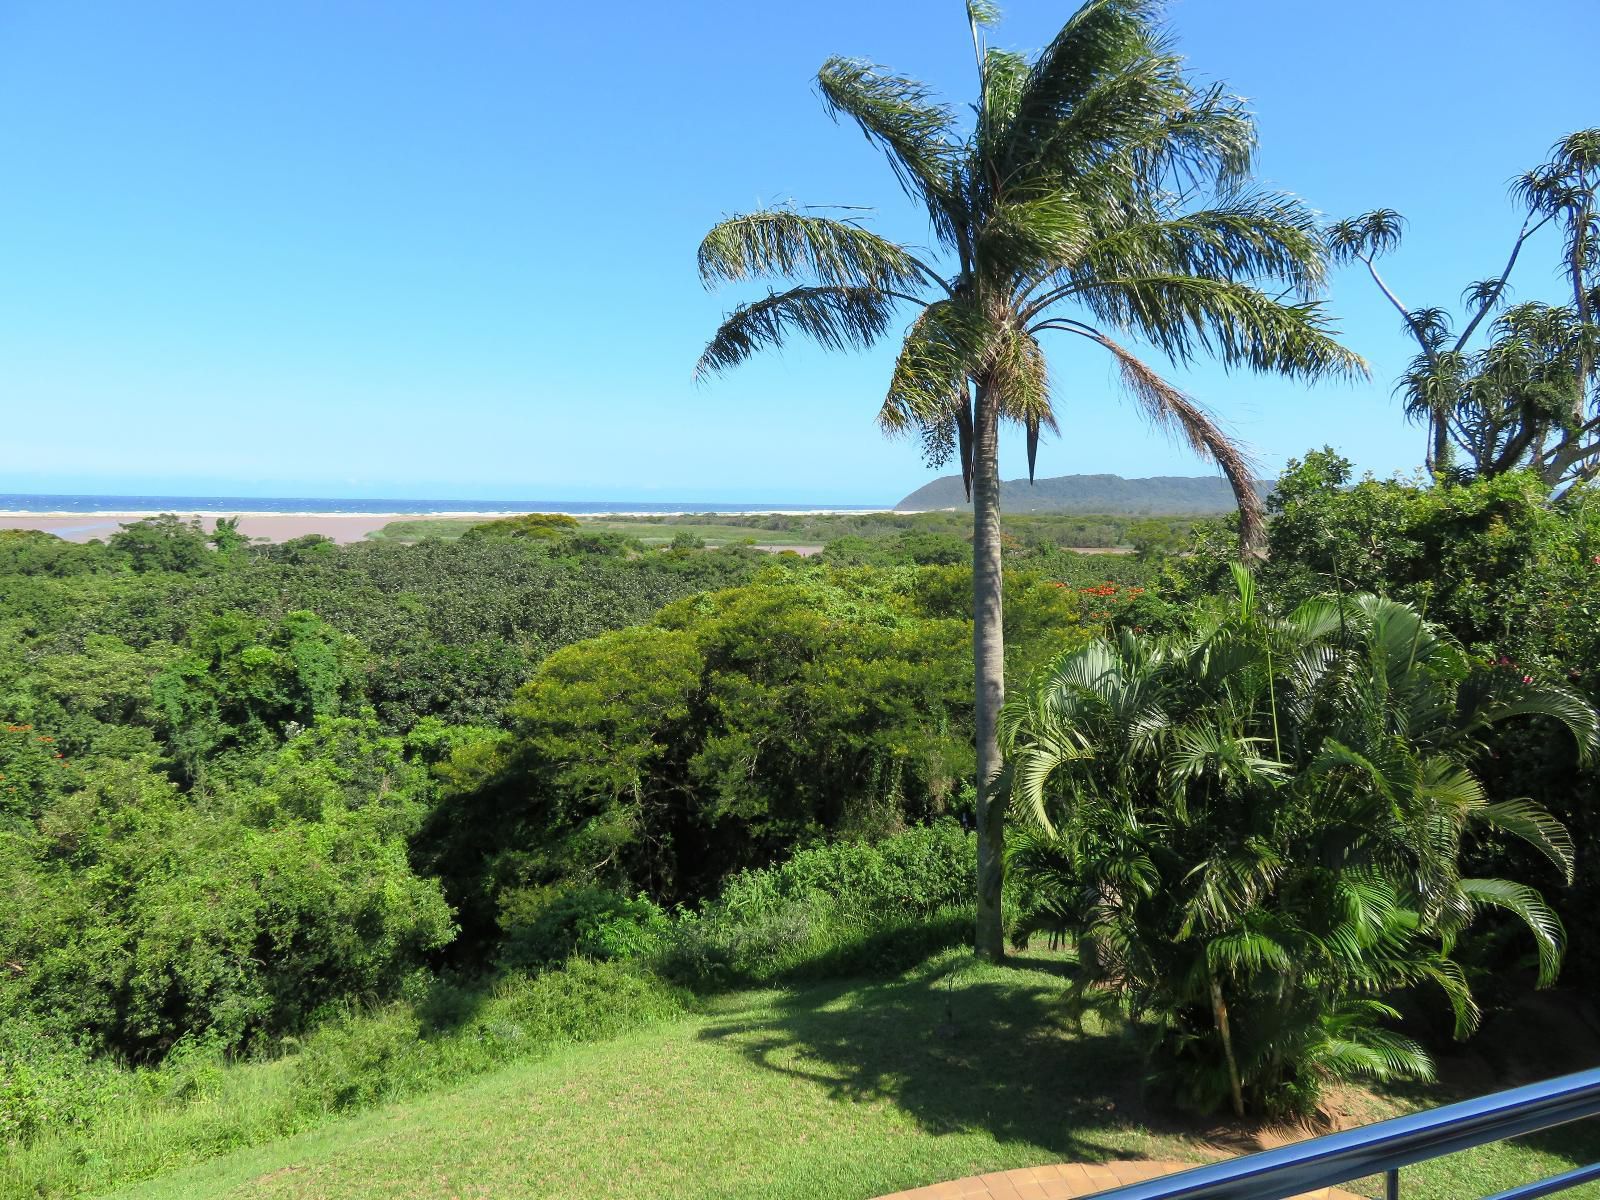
x,y
998,1054
992,1054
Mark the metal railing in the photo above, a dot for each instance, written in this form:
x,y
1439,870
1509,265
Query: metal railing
x,y
1384,1148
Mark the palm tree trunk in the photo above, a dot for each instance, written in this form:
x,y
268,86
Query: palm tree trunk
x,y
988,656
1219,1012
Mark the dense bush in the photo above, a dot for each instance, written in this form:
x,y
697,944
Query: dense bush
x,y
538,527
167,544
1509,570
913,873
50,1083
735,726
444,629
137,916
661,758
33,552
1499,563
834,909
1258,829
242,685
541,928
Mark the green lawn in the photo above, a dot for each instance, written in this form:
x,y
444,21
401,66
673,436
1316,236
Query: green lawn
x,y
842,1091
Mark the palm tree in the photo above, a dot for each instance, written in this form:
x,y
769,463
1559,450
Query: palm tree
x,y
1097,192
1255,828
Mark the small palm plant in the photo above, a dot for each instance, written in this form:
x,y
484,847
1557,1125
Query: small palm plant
x,y
1098,193
1255,831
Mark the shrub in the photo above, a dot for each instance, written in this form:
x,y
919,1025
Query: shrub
x,y
590,922
48,1083
1258,830
831,910
139,917
912,874
1510,571
537,527
735,726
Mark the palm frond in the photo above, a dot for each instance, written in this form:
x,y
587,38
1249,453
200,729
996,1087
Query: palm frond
x,y
898,115
1360,1050
1447,974
1037,762
836,318
783,243
1335,755
1529,906
1020,377
1101,36
1094,90
1211,141
1492,696
1533,824
1367,904
1240,325
1253,236
1031,235
1246,952
944,346
1005,75
1450,786
1168,408
1364,237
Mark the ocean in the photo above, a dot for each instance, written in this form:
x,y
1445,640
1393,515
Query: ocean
x,y
31,503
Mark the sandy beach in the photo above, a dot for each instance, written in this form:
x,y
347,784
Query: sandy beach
x,y
282,526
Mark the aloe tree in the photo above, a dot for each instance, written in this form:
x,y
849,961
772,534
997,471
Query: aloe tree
x,y
1096,194
1256,830
1530,396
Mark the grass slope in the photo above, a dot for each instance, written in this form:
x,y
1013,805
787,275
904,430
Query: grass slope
x,y
846,1090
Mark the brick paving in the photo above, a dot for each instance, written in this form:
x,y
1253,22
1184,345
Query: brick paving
x,y
1064,1182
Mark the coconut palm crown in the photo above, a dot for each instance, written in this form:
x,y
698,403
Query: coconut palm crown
x,y
1096,192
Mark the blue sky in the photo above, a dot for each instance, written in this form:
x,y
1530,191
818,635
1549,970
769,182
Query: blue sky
x,y
447,250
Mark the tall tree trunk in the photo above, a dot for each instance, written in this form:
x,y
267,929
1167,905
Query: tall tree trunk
x,y
988,656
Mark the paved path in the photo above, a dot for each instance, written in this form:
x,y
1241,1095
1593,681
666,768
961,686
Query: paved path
x,y
1063,1183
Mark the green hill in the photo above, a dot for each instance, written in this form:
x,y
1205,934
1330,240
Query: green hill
x,y
1166,494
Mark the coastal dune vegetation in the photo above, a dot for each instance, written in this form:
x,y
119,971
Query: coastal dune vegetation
x,y
948,533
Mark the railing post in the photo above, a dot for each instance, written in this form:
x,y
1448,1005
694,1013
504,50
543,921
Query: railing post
x,y
1391,1184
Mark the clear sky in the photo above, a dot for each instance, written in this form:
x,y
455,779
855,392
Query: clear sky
x,y
446,250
